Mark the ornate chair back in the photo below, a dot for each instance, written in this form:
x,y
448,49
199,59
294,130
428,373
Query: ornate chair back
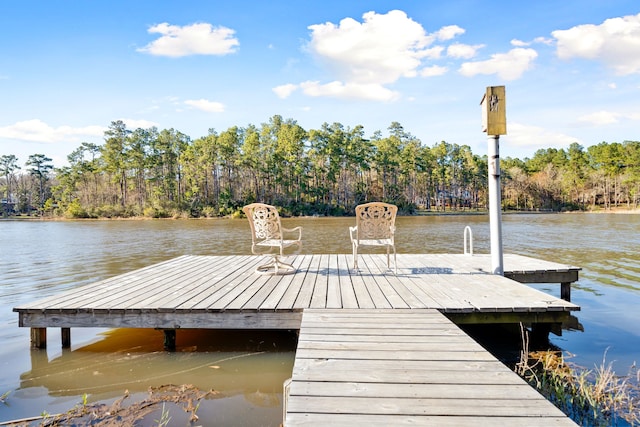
x,y
375,226
268,237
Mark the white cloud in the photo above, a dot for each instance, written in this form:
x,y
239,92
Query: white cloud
x,y
464,51
519,43
537,40
205,105
449,32
35,130
284,91
433,52
366,56
533,137
139,123
379,50
434,70
195,39
543,40
508,66
601,118
615,42
337,89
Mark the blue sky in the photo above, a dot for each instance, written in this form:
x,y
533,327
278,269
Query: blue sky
x,y
571,69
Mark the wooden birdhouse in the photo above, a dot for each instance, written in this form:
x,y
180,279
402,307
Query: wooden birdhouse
x,y
494,117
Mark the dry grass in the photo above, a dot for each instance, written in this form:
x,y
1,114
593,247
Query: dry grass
x,y
120,414
597,397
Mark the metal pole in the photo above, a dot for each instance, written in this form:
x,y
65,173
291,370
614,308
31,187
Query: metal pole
x,y
495,206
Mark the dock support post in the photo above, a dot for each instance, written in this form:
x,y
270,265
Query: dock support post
x,y
39,338
495,205
169,339
540,333
565,291
65,334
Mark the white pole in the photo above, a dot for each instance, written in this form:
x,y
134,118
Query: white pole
x,y
495,207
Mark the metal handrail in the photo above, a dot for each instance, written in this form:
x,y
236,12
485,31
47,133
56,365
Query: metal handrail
x,y
468,248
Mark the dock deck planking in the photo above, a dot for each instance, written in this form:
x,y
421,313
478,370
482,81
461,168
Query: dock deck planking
x,y
225,278
378,271
352,368
217,284
303,299
291,293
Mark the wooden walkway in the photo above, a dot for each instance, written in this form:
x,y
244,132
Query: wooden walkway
x,y
403,367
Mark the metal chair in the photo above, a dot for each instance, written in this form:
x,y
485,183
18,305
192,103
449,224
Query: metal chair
x,y
267,238
375,226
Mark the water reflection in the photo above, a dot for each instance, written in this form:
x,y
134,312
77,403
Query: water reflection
x,y
248,364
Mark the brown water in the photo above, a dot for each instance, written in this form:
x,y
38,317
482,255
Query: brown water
x,y
245,368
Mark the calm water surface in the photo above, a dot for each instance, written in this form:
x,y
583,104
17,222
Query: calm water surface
x,y
247,369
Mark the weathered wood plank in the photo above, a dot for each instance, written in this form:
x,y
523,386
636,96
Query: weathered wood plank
x,y
319,297
334,295
208,277
350,420
380,277
294,289
209,287
347,291
163,320
438,407
307,289
426,350
218,297
101,293
476,360
409,391
360,288
430,336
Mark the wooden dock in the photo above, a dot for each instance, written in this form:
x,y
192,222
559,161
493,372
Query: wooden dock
x,y
403,367
224,292
401,360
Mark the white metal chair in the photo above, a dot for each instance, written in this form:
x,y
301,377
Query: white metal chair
x,y
375,226
267,237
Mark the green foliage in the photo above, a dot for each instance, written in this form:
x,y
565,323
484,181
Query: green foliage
x,y
165,418
75,210
327,171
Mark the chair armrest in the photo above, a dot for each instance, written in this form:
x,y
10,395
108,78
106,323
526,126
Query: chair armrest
x,y
293,230
352,232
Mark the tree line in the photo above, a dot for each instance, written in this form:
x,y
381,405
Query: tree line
x,y
326,171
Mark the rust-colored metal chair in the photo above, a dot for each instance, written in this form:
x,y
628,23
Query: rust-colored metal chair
x,y
268,238
375,226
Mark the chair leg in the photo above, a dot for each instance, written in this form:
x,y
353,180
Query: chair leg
x,y
355,257
395,262
275,266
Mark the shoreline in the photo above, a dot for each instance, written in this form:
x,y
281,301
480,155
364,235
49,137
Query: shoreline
x,y
615,211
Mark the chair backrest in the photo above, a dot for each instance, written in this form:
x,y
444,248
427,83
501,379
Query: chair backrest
x,y
376,220
264,221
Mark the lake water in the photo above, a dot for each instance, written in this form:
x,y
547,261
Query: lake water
x,y
247,369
